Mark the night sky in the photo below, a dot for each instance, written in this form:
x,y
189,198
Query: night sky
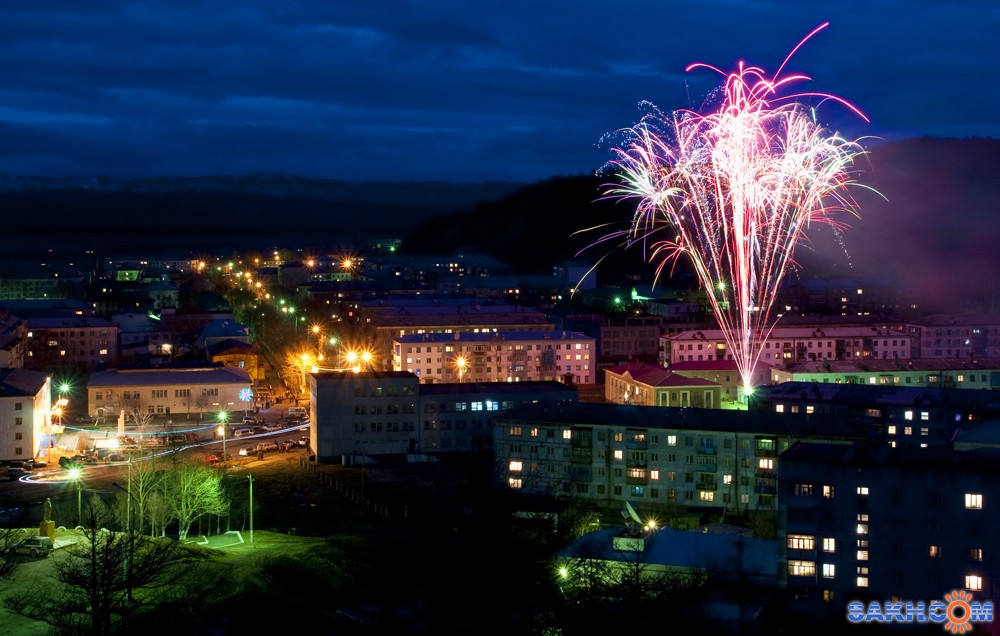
x,y
452,90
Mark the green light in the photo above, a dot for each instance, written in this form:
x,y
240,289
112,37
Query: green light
x,y
74,473
64,387
333,340
617,300
563,572
223,416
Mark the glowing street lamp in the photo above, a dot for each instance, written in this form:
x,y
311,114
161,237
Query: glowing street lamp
x,y
224,418
461,363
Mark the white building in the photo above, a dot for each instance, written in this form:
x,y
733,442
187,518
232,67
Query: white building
x,y
198,390
25,413
786,345
504,356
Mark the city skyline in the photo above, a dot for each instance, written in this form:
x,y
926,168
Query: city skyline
x,y
446,91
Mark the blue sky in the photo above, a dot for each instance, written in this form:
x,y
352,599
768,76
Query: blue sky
x,y
453,90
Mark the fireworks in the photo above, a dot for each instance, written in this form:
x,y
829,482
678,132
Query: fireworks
x,y
734,189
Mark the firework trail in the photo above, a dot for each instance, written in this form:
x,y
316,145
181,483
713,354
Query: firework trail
x,y
734,189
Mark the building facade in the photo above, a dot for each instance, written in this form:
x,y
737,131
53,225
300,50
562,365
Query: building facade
x,y
505,356
79,342
870,522
25,414
700,459
386,413
201,391
648,385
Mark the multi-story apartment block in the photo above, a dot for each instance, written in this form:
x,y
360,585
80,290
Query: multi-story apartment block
x,y
25,413
867,522
398,317
648,385
13,346
200,390
712,460
81,342
905,416
383,413
786,345
503,356
982,373
961,336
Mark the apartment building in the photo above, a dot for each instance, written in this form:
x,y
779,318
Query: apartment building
x,y
25,413
867,521
390,412
702,459
953,373
786,345
81,342
503,356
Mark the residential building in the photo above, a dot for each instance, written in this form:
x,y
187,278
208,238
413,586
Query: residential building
x,y
77,342
13,345
200,390
949,373
785,345
701,459
237,353
867,521
389,412
956,336
722,372
502,356
25,414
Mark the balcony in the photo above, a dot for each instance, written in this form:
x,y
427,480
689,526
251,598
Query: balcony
x,y
707,485
582,456
581,474
705,450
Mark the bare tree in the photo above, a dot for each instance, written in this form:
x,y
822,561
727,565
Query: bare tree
x,y
192,492
145,478
8,559
106,577
140,418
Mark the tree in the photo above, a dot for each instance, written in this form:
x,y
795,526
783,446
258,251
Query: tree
x,y
192,492
140,417
108,576
8,559
145,479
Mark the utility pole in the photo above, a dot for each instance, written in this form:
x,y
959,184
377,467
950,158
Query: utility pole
x,y
250,477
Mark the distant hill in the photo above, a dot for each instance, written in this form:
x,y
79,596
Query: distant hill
x,y
219,214
936,229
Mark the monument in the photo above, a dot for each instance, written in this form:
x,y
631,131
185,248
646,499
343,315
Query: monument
x,y
47,528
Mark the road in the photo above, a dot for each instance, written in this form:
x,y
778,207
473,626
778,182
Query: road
x,y
24,495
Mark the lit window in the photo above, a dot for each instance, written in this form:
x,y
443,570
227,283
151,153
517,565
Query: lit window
x,y
779,408
765,463
862,490
862,581
801,568
828,492
892,429
973,582
976,554
706,495
671,440
973,501
828,595
862,555
727,479
829,570
829,544
654,475
908,416
515,431
801,542
567,433
514,483
934,552
907,430
618,454
534,432
515,466
862,528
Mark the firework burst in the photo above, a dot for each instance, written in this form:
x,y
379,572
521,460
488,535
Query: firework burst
x,y
733,190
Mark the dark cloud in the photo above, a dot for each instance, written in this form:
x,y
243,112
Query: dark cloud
x,y
447,88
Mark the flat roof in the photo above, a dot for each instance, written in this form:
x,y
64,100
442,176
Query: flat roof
x,y
158,377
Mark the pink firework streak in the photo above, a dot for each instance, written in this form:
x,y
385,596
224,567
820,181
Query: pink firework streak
x,y
736,188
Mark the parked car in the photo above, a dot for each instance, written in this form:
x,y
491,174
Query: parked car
x,y
37,463
250,420
242,432
274,426
246,450
34,546
216,457
267,447
16,472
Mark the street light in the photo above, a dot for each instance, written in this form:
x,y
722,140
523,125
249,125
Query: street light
x,y
250,477
224,418
460,363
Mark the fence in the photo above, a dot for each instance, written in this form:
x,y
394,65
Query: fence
x,y
357,496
